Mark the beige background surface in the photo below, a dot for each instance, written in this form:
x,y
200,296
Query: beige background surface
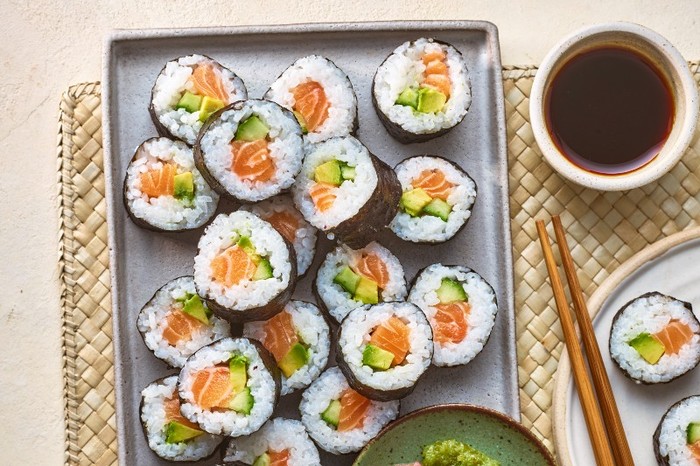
x,y
47,45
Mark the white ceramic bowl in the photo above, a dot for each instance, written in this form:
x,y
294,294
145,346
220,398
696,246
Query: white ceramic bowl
x,y
659,51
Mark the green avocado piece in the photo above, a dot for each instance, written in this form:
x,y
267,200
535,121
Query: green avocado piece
x,y
328,172
184,186
208,107
178,433
251,129
693,432
302,122
377,358
246,244
438,208
413,201
408,98
451,291
196,309
332,413
430,100
649,347
264,270
238,366
347,279
295,359
367,291
347,172
262,460
243,402
190,102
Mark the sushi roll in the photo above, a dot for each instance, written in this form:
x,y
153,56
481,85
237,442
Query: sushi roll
x,y
299,339
164,191
169,434
245,270
346,191
655,339
422,90
279,442
250,150
175,323
677,439
230,387
339,419
437,200
384,349
321,96
461,307
348,279
188,91
281,213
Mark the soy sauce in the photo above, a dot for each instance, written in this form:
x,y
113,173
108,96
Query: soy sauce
x,y
609,110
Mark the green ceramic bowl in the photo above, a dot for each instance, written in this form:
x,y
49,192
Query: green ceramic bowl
x,y
494,433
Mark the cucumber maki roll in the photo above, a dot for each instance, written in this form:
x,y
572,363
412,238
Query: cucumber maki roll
x,y
437,200
348,279
655,339
422,90
346,191
245,270
169,434
299,339
461,307
230,387
188,91
384,349
677,439
164,191
321,96
339,419
175,322
279,442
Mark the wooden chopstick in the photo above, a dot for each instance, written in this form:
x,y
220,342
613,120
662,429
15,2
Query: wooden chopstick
x,y
591,413
601,382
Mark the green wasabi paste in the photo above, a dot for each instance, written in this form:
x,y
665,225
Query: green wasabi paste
x,y
454,453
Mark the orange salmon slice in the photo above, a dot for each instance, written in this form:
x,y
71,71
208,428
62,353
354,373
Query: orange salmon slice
x,y
232,266
251,160
436,72
450,322
434,183
212,387
180,326
353,410
280,335
159,182
675,336
286,223
207,82
172,413
323,196
372,267
310,100
695,450
278,458
393,336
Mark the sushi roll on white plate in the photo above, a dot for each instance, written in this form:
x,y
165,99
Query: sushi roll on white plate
x,y
461,307
188,91
164,191
175,322
677,439
655,339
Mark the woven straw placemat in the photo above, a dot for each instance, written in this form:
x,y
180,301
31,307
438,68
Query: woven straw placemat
x,y
606,229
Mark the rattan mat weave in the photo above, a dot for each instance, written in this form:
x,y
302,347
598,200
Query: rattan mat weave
x,y
606,228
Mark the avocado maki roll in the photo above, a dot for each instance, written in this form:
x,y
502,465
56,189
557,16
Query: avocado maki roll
x,y
346,191
299,339
437,200
350,278
175,322
169,434
164,191
655,339
188,91
339,419
677,439
279,442
422,90
245,270
384,349
280,212
230,387
461,307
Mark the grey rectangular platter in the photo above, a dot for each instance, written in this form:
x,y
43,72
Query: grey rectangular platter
x,y
141,261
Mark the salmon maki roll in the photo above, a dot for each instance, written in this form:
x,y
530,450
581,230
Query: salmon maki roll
x,y
321,96
245,270
422,90
164,191
655,339
339,419
346,192
175,322
230,387
188,91
677,439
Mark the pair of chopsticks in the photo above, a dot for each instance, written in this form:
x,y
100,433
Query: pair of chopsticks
x,y
606,432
